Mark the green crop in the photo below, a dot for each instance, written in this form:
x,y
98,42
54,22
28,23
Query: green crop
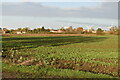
x,y
58,52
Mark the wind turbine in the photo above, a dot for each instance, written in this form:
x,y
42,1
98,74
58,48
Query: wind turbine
x,y
112,25
89,27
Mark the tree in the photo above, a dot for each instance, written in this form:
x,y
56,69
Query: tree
x,y
6,30
43,29
99,31
38,30
26,29
79,29
12,31
62,29
115,30
19,29
34,30
69,30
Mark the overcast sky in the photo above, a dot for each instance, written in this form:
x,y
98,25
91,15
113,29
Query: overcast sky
x,y
60,0
67,10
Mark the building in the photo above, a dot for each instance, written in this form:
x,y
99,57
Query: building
x,y
89,31
105,31
56,31
24,32
94,31
20,32
2,31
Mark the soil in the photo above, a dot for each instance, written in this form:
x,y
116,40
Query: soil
x,y
85,66
82,66
12,75
8,75
107,60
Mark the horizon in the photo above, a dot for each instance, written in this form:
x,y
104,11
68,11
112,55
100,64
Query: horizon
x,y
87,28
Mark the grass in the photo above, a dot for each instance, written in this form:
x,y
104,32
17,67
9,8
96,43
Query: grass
x,y
37,71
98,50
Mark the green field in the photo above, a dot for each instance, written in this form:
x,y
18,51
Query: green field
x,y
60,57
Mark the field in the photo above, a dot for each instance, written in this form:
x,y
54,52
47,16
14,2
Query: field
x,y
60,56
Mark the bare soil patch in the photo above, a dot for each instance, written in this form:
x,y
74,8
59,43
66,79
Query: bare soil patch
x,y
8,75
85,66
81,66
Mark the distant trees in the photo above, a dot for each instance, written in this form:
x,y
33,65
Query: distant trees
x,y
69,30
6,30
26,29
12,31
62,29
19,29
73,30
43,29
99,31
40,30
115,30
79,30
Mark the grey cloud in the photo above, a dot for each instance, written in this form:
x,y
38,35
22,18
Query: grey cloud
x,y
107,10
30,9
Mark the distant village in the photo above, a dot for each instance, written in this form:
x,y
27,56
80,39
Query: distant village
x,y
69,30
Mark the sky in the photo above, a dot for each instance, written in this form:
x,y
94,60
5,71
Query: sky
x,y
60,0
22,13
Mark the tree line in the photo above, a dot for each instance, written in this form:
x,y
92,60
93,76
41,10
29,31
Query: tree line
x,y
79,30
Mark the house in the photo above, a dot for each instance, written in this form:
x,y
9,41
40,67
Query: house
x,y
89,31
56,31
105,31
85,30
94,31
20,32
2,31
24,32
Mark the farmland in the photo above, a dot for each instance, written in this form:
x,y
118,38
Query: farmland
x,y
60,56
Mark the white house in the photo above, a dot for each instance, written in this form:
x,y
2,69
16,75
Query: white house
x,y
23,32
56,31
19,32
94,31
